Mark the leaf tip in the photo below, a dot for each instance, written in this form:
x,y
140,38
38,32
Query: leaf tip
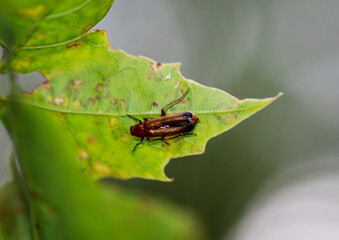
x,y
279,95
272,99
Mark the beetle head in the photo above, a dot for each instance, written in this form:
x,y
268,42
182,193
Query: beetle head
x,y
195,119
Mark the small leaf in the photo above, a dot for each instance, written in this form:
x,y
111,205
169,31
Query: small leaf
x,y
36,24
91,89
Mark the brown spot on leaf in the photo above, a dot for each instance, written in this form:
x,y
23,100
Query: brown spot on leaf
x,y
76,44
113,101
166,95
59,101
155,66
221,118
92,140
87,27
122,103
155,104
78,82
232,116
91,101
98,87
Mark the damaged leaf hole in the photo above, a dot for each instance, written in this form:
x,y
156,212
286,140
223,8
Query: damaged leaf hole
x,y
32,81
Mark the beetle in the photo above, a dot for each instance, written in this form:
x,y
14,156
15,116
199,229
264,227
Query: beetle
x,y
170,126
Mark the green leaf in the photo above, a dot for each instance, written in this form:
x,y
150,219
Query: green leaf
x,y
91,89
14,214
66,204
33,24
2,104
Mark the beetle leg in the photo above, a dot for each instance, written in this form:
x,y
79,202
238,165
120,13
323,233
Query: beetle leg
x,y
163,139
181,135
134,118
136,145
171,104
153,140
158,139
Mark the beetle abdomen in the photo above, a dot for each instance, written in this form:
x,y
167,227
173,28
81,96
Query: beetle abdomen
x,y
170,131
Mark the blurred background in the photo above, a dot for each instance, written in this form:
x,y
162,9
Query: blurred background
x,y
276,175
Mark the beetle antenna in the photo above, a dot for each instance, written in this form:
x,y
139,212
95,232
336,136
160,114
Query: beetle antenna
x,y
171,104
138,120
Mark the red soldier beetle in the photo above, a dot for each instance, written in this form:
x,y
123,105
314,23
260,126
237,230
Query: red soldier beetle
x,y
171,126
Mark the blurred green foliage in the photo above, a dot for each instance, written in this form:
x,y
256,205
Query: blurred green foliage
x,y
63,202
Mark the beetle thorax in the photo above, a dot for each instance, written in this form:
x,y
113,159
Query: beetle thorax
x,y
138,130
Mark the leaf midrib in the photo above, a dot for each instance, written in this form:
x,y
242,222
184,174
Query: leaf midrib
x,y
131,113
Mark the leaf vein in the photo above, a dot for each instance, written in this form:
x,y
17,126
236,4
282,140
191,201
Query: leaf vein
x,y
130,113
77,8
